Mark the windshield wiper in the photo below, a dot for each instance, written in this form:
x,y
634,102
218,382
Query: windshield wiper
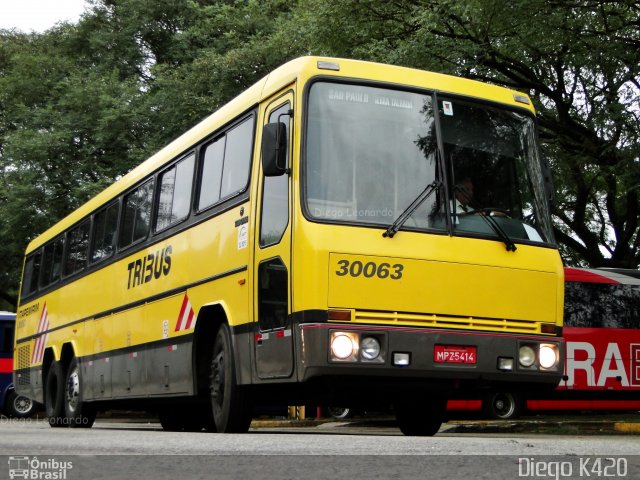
x,y
495,226
404,216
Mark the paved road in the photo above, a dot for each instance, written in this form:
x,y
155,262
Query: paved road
x,y
333,450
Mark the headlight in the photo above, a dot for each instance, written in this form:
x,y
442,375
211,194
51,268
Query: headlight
x,y
344,346
370,348
549,356
526,356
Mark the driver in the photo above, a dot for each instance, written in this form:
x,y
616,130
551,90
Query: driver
x,y
463,191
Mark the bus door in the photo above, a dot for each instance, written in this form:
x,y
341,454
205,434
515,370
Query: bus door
x,y
272,261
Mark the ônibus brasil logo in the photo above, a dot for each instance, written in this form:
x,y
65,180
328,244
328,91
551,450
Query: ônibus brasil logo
x,y
37,469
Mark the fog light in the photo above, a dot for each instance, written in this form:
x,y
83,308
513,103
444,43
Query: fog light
x,y
526,356
549,356
401,359
370,348
505,363
344,346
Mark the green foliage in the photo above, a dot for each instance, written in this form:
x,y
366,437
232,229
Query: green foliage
x,y
82,104
580,62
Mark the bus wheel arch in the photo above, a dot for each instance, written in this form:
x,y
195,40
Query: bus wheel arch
x,y
210,318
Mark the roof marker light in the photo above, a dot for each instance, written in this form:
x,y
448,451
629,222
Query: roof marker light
x,y
328,66
521,98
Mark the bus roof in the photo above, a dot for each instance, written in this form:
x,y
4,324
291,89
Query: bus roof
x,y
301,69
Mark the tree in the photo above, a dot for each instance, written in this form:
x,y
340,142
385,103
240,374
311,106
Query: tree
x,y
65,133
80,105
580,62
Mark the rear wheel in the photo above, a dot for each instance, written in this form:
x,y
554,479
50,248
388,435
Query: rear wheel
x,y
230,402
79,413
420,419
54,396
19,406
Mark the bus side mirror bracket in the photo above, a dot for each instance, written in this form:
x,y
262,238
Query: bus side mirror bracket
x,y
274,149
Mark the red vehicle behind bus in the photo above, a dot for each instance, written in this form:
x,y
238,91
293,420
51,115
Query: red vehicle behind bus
x,y
602,364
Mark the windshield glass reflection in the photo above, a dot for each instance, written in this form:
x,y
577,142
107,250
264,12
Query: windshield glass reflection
x,y
371,151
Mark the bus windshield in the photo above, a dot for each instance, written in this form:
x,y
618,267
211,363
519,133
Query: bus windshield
x,y
371,151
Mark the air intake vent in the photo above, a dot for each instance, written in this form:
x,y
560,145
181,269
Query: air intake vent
x,y
23,356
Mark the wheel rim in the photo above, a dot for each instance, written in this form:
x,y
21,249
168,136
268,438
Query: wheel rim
x,y
503,405
73,390
22,405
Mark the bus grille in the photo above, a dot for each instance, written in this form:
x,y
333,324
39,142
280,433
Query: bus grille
x,y
23,355
446,321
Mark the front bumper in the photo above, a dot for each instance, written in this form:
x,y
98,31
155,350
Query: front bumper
x,y
316,361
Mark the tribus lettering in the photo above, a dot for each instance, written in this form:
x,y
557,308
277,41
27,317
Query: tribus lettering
x,y
149,267
28,311
582,357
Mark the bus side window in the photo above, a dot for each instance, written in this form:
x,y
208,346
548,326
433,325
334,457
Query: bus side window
x,y
31,274
51,262
275,193
272,295
76,258
601,305
237,159
226,165
105,224
211,177
137,215
175,193
6,342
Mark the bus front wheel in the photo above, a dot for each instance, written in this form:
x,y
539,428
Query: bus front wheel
x,y
420,419
79,414
230,403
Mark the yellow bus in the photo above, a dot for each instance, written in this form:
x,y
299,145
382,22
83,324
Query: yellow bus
x,y
342,232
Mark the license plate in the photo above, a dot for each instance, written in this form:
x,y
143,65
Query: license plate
x,y
454,354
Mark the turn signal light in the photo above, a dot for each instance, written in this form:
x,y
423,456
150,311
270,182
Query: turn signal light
x,y
340,315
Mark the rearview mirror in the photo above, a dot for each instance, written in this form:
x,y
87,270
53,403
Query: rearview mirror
x,y
274,149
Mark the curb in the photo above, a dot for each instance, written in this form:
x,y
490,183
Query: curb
x,y
475,426
627,427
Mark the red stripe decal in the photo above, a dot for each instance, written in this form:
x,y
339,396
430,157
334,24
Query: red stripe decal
x,y
584,276
185,300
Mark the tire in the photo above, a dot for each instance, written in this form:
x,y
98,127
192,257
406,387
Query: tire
x,y
79,414
186,418
420,419
230,404
54,396
19,406
170,421
503,405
